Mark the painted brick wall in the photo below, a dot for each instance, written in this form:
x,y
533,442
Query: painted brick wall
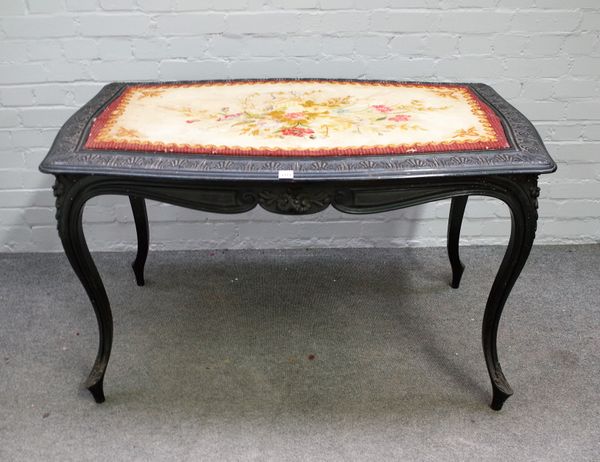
x,y
542,55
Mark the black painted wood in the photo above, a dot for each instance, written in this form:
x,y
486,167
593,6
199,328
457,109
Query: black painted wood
x,y
457,211
354,184
140,216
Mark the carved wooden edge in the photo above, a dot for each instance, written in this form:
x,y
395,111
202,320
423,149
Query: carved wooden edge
x,y
62,186
295,199
67,156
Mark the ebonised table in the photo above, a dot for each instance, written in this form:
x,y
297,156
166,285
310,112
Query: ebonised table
x,y
298,147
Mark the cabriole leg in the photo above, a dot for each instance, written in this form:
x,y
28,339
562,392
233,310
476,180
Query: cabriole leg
x,y
457,211
70,200
140,216
522,201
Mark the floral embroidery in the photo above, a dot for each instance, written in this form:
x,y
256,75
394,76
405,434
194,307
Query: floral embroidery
x,y
297,131
382,108
312,114
468,133
297,117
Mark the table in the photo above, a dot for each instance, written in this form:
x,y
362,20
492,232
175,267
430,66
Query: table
x,y
298,147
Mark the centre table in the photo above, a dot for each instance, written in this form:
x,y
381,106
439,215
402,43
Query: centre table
x,y
297,147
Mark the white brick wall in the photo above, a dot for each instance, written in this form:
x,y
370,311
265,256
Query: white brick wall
x,y
542,55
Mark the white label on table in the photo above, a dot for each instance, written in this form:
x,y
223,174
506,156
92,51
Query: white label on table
x,y
286,174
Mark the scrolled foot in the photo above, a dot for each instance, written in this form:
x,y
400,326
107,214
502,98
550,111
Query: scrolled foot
x,y
457,273
498,399
501,390
95,381
138,270
97,391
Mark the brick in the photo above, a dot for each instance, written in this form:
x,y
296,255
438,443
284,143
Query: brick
x,y
18,198
393,21
510,45
9,118
187,47
190,24
341,46
33,157
441,44
483,22
45,6
39,216
575,152
582,43
592,132
571,88
156,5
81,5
82,93
44,50
13,51
13,7
114,25
51,95
15,238
370,46
11,179
542,110
10,159
45,237
591,21
115,49
16,96
544,45
540,89
150,48
108,71
231,5
45,117
544,21
38,27
585,66
474,67
408,44
117,4
33,179
183,70
80,48
231,46
7,142
400,68
583,110
340,21
64,71
306,4
192,5
541,67
581,190
33,138
265,23
264,68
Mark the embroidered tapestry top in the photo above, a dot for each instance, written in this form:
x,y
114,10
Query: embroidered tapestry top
x,y
297,118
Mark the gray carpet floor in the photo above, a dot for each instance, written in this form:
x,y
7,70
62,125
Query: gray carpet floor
x,y
347,354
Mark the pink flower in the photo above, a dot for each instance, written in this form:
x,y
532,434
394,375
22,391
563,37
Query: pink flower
x,y
294,115
297,131
382,108
400,118
229,116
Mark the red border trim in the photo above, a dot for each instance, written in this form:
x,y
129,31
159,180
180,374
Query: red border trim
x,y
104,118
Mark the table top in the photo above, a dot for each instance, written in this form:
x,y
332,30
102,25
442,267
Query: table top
x,y
317,129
